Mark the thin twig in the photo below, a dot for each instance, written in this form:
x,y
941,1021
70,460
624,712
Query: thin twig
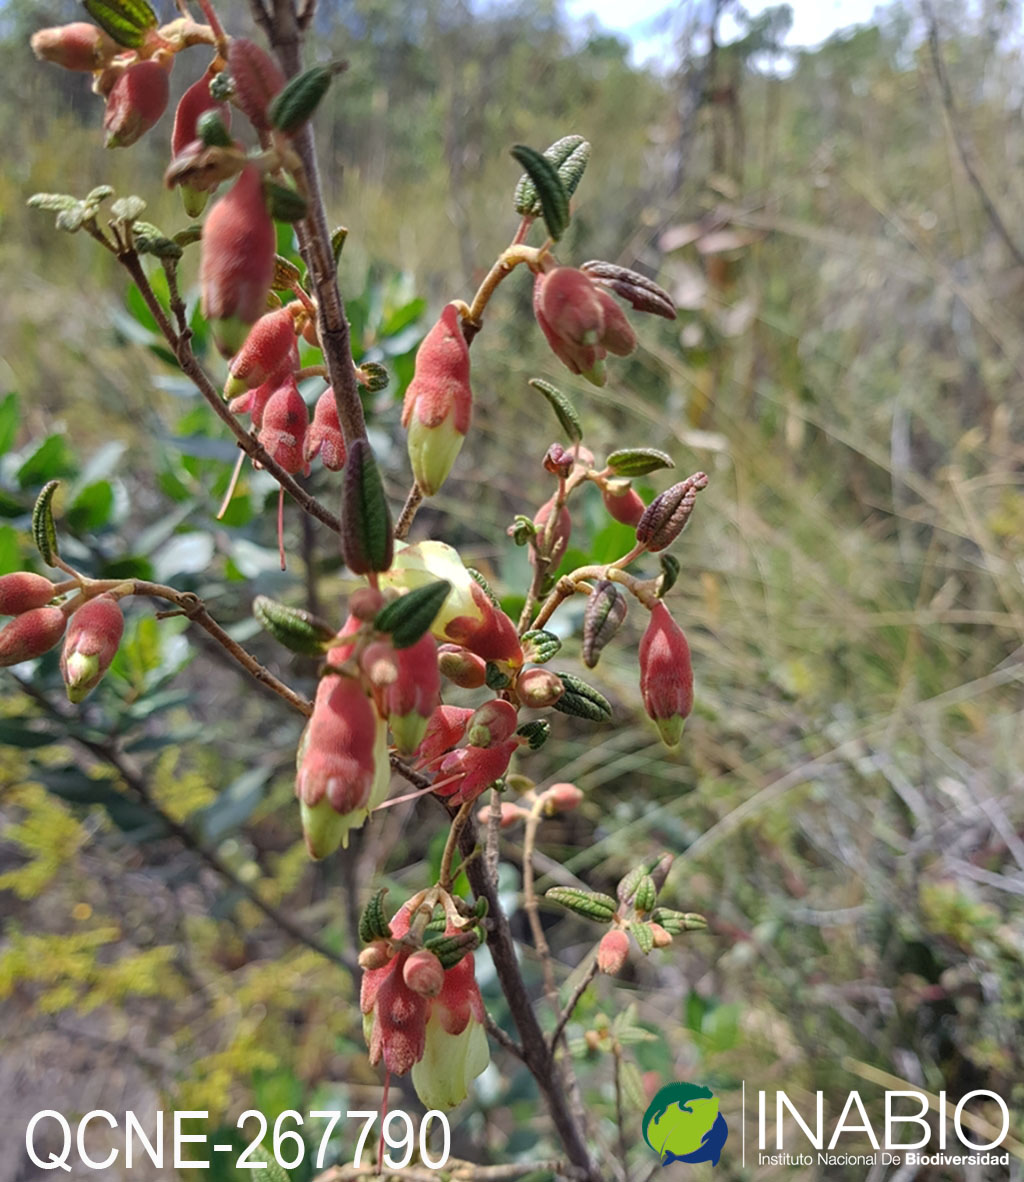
x,y
964,149
530,903
570,1006
412,503
192,369
134,780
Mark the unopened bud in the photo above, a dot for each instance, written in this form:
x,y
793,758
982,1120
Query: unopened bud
x,y
613,951
661,938
30,635
284,425
375,955
22,591
461,667
94,633
623,503
666,674
558,461
365,603
561,798
438,402
537,688
423,973
268,350
511,814
666,516
77,46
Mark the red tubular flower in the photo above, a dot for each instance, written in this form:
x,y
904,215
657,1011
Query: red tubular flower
x,y
394,1016
666,675
237,264
31,634
22,591
473,769
283,426
135,103
455,1048
343,768
411,699
493,722
94,634
77,46
325,438
438,403
411,1024
269,351
582,322
445,730
196,101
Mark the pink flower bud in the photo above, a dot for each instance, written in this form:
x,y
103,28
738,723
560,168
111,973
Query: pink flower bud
x,y
558,461
461,667
562,798
445,730
493,722
257,79
284,425
375,955
78,46
237,267
94,633
624,504
662,939
415,694
365,603
30,635
666,674
22,591
582,323
538,688
325,438
438,403
135,103
560,534
613,951
269,351
473,769
511,814
423,973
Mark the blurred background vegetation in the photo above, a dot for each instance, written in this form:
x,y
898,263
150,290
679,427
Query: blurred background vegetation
x,y
841,228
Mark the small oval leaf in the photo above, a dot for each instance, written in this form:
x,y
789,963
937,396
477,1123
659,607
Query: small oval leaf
x,y
296,629
564,410
43,529
290,109
409,618
554,200
589,904
638,461
127,21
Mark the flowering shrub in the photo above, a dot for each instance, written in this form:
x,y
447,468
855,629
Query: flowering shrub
x,y
418,620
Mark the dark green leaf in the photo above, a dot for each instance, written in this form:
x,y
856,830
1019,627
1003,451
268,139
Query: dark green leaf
x,y
564,410
554,200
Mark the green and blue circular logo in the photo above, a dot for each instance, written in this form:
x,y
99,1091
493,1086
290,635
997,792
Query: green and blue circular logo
x,y
682,1123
